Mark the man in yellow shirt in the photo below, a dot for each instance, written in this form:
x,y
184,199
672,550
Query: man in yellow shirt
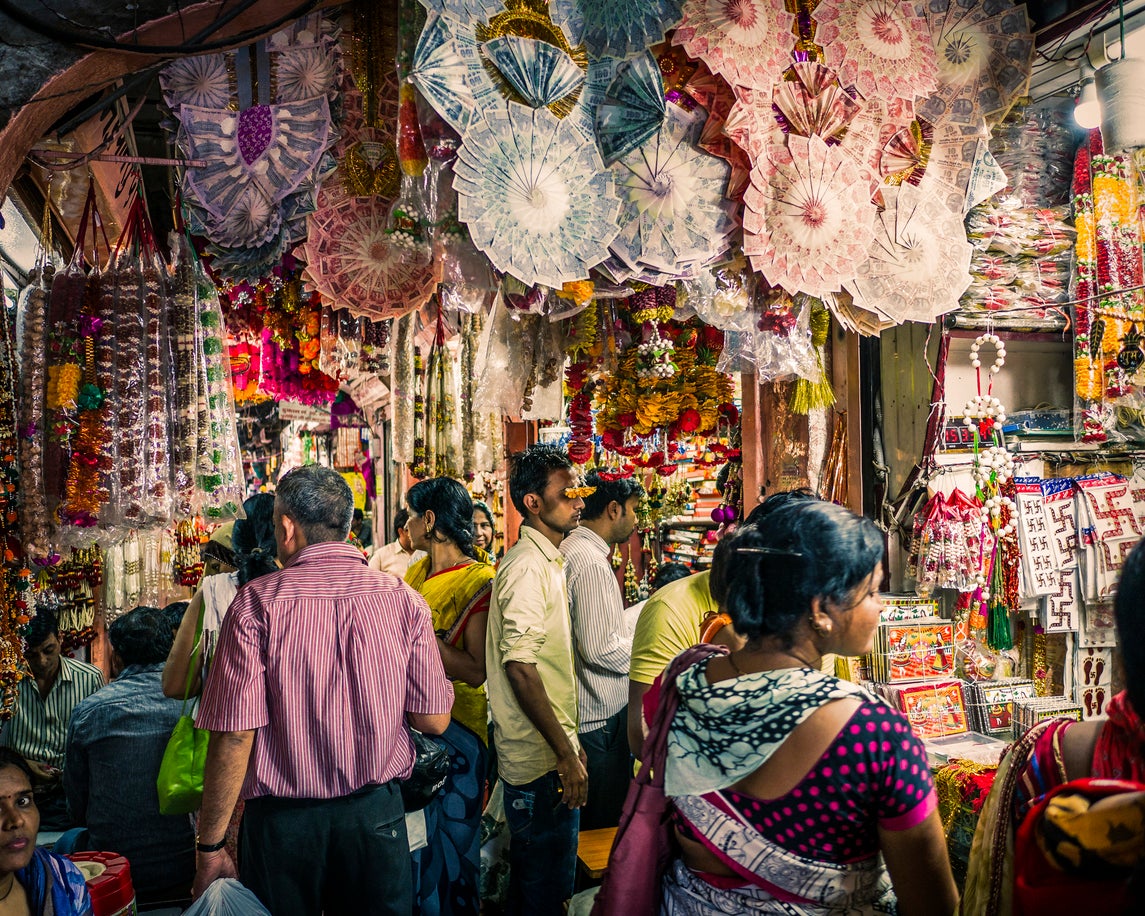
x,y
532,687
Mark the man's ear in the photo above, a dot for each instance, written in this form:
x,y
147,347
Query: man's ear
x,y
533,503
289,530
615,510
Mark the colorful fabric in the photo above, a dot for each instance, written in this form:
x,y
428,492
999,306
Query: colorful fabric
x,y
454,596
448,868
323,659
55,887
725,731
858,784
1120,750
669,624
529,623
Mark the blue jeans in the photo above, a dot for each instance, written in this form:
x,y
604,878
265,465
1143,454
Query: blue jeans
x,y
542,850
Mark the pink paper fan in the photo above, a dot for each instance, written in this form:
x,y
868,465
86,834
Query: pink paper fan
x,y
813,103
881,47
747,42
808,216
354,260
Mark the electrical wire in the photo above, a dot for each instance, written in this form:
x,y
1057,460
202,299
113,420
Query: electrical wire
x,y
70,37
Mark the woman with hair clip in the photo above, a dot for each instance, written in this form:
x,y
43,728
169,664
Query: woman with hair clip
x,y
254,549
456,580
791,788
1063,827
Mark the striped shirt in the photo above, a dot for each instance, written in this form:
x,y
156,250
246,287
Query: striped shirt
x,y
322,660
601,642
39,728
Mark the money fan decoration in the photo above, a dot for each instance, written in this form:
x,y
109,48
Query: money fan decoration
x,y
535,195
201,81
747,42
447,68
633,107
465,9
881,47
936,160
616,28
984,49
813,103
673,216
359,263
807,216
919,262
537,74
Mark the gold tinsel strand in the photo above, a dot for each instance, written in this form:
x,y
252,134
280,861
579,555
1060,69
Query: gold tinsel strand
x,y
808,395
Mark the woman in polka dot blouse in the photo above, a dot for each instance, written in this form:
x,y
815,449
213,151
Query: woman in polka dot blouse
x,y
795,792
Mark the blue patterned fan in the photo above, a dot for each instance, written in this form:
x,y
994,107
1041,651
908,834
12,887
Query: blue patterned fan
x,y
633,107
616,28
540,73
447,68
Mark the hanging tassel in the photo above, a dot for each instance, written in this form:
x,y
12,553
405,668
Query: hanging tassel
x,y
815,395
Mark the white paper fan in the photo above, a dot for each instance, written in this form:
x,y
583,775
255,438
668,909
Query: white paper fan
x,y
539,73
447,68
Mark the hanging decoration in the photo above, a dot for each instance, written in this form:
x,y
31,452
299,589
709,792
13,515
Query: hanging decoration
x,y
616,28
747,42
674,217
881,47
808,218
633,108
535,73
918,265
536,198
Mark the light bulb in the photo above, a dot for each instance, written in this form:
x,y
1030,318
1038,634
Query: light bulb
x,y
1087,109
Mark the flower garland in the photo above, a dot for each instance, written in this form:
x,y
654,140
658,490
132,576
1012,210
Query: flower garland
x,y
187,560
419,468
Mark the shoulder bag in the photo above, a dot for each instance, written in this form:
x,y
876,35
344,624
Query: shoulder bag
x,y
180,782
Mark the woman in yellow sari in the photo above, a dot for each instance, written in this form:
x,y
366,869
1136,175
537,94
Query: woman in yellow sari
x,y
456,580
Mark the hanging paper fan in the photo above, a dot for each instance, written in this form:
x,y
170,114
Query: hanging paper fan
x,y
747,42
633,107
919,262
304,71
808,216
447,68
984,49
751,123
718,100
938,160
539,73
601,73
673,216
358,262
535,195
616,28
881,47
813,103
465,9
200,81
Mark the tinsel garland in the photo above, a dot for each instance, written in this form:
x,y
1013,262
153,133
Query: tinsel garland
x,y
15,576
811,395
35,533
131,389
182,325
402,388
419,469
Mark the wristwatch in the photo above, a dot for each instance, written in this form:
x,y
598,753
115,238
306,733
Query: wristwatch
x,y
210,847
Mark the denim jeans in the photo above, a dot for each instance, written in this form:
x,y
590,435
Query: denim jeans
x,y
542,848
609,772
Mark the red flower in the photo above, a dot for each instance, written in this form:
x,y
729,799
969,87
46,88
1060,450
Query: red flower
x,y
580,451
690,420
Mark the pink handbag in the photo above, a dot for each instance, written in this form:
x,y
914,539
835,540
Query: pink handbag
x,y
643,847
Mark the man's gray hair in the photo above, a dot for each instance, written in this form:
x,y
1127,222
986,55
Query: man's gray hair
x,y
319,502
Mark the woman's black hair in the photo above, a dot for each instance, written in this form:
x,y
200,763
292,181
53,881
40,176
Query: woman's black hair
x,y
1129,609
452,509
804,550
253,539
9,758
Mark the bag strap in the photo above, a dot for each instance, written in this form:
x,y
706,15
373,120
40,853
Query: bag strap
x,y
654,753
196,653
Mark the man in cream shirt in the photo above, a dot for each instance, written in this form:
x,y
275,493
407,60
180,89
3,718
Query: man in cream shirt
x,y
532,687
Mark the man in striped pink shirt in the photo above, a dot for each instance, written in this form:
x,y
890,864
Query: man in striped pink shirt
x,y
321,668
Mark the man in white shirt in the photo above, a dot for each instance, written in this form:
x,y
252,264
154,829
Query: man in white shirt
x,y
398,556
601,640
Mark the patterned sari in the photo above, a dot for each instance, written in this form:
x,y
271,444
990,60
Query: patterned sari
x,y
55,887
447,870
721,733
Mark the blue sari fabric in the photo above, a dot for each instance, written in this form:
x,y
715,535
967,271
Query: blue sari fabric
x,y
55,887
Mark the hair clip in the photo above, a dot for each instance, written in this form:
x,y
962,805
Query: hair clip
x,y
769,552
579,492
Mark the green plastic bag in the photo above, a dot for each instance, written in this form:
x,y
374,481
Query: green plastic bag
x,y
180,782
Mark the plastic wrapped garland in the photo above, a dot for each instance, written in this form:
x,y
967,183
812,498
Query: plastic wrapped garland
x,y
35,532
182,324
219,480
157,455
131,391
402,389
64,376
